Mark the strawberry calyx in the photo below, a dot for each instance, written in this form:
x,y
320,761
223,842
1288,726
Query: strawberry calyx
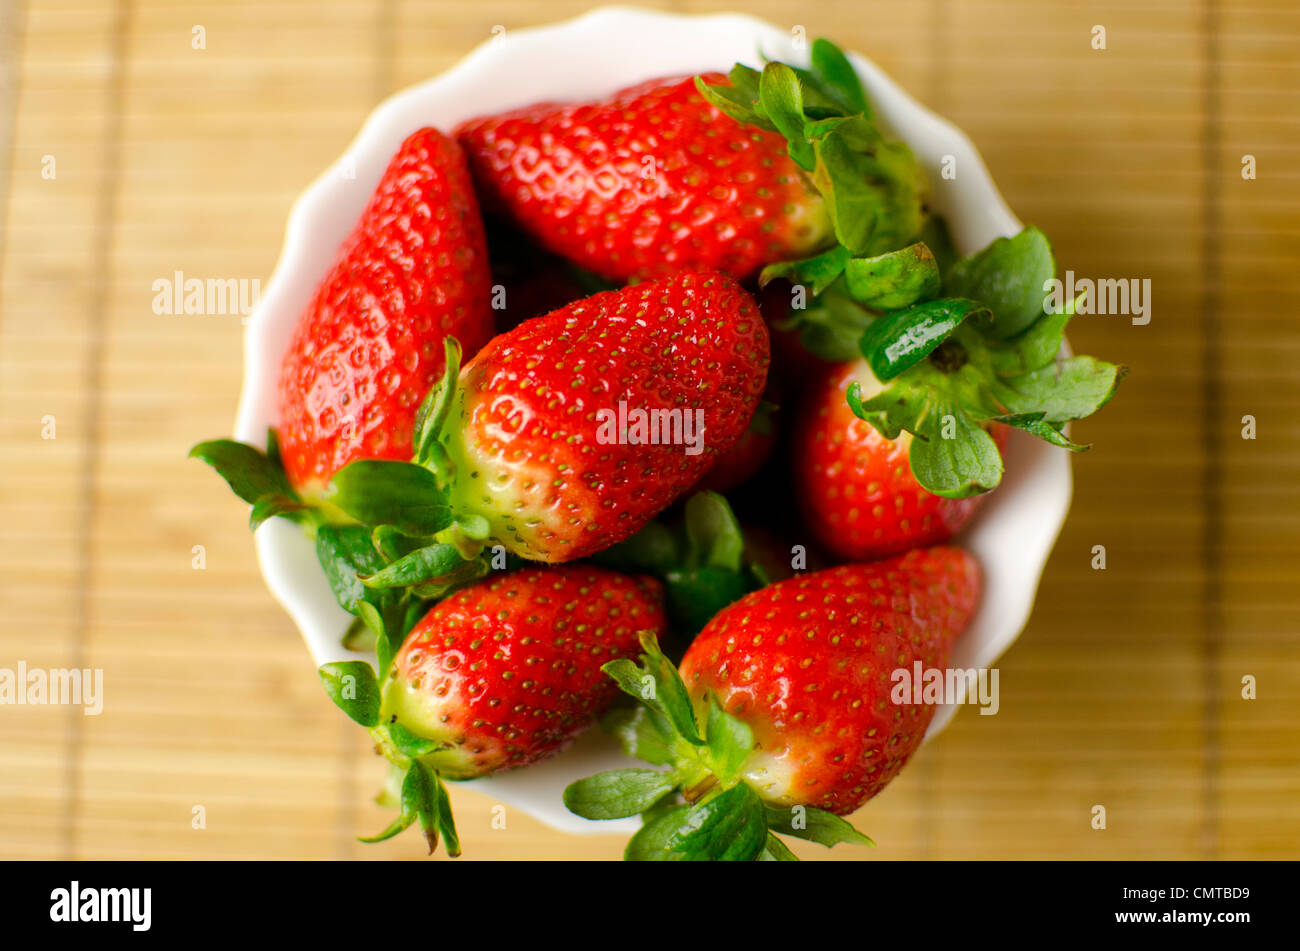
x,y
987,351
700,559
697,805
422,796
961,344
952,349
871,186
258,477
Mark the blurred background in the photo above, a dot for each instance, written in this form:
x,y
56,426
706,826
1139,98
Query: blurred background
x,y
139,138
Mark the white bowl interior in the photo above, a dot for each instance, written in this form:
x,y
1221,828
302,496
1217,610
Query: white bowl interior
x,y
617,47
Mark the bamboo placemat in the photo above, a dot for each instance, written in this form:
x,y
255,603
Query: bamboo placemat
x,y
1124,691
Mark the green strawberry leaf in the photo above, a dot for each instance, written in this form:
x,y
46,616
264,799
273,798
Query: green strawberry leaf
x,y
695,595
617,793
346,552
890,411
1034,347
831,326
899,341
420,794
353,687
642,733
815,825
856,208
781,100
837,79
249,472
423,797
443,818
658,685
895,279
399,825
730,741
431,418
669,802
1071,389
713,536
774,850
729,828
417,567
359,637
701,564
816,273
269,506
402,494
410,744
745,80
393,544
735,102
872,187
1008,277
1035,425
959,465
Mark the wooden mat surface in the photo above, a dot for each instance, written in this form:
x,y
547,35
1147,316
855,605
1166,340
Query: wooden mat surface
x,y
1124,691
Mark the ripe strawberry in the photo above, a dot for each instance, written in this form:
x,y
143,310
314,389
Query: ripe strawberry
x,y
729,173
413,271
507,672
527,450
855,487
499,675
649,181
807,663
794,685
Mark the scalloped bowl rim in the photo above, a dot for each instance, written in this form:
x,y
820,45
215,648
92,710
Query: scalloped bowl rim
x,y
618,47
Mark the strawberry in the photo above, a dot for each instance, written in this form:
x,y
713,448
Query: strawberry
x,y
507,672
501,674
649,181
795,686
412,272
725,173
855,488
525,447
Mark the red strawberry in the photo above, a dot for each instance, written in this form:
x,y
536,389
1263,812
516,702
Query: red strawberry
x,y
507,672
791,704
413,271
855,487
651,180
532,444
807,664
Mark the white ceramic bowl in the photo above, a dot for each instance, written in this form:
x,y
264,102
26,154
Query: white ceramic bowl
x,y
593,55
